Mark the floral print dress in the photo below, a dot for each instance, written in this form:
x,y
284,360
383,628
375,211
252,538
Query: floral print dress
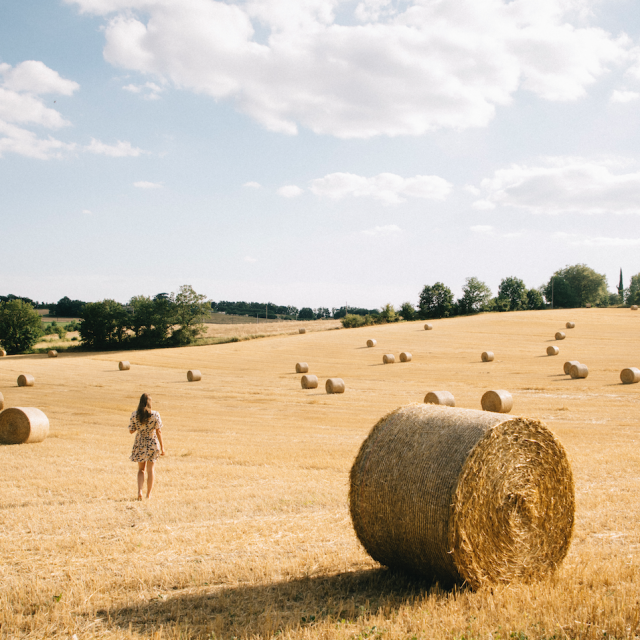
x,y
146,447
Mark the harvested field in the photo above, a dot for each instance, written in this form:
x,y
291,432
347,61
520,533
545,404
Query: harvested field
x,y
248,533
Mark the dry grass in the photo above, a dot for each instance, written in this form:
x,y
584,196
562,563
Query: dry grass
x,y
248,534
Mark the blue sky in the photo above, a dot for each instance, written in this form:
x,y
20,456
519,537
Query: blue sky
x,y
315,152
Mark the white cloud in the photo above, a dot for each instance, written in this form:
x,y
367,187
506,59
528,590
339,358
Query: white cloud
x,y
33,76
388,68
596,241
250,259
119,150
289,191
387,187
482,228
87,211
385,230
142,184
252,185
624,96
563,185
149,90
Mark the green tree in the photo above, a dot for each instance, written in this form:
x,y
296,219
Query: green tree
x,y
475,296
435,301
104,324
514,290
189,309
388,313
576,286
407,311
534,299
633,292
306,313
151,320
20,326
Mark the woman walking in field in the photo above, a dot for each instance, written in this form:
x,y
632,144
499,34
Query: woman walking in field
x,y
147,447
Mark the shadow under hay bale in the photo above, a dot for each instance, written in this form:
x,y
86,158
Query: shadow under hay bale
x,y
309,382
568,365
560,335
52,353
553,351
124,365
570,325
26,380
487,356
440,397
334,385
465,496
302,367
405,356
630,375
579,371
23,425
498,401
372,343
388,358
193,375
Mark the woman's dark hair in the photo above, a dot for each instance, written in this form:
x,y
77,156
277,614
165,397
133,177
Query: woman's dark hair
x,y
144,408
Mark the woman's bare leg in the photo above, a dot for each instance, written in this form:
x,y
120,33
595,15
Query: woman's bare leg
x,y
151,476
141,466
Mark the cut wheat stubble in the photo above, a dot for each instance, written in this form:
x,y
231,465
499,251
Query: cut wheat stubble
x,y
26,380
630,375
309,382
568,365
498,401
302,367
372,343
334,385
124,365
23,425
388,358
193,375
440,397
463,496
579,370
553,351
405,356
487,356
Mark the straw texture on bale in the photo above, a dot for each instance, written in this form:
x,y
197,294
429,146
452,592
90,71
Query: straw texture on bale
x,y
498,401
630,375
302,367
193,375
124,365
3,353
405,356
462,495
440,397
1,402
388,358
579,371
634,307
487,356
428,327
309,382
553,351
334,385
26,380
372,343
560,335
52,353
302,330
23,425
570,325
568,365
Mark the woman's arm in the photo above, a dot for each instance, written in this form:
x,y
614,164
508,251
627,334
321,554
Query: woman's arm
x,y
159,434
132,424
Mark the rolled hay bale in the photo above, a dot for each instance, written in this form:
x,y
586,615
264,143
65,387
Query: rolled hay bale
x,y
463,496
579,370
568,365
498,401
634,307
3,353
440,397
388,358
302,330
193,375
1,402
52,353
309,382
124,365
553,351
487,356
372,343
560,335
334,385
630,375
26,380
570,325
428,327
302,367
23,425
588,305
405,356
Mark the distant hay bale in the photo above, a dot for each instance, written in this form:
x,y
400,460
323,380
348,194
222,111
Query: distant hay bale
x,y
568,365
440,397
309,382
52,353
372,343
579,371
302,330
388,358
463,496
3,353
1,402
124,365
487,356
560,335
588,305
334,385
193,375
26,380
553,351
428,327
630,375
498,401
634,307
302,367
570,325
405,356
23,425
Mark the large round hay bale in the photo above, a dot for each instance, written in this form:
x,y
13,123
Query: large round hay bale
x,y
3,353
193,375
309,382
498,401
372,343
302,330
588,305
26,380
388,358
560,335
302,367
124,365
463,496
487,356
634,307
428,327
569,364
579,371
570,325
440,397
1,402
405,356
334,385
22,425
630,375
52,353
553,351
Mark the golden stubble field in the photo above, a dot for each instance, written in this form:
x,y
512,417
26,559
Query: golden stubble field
x,y
248,534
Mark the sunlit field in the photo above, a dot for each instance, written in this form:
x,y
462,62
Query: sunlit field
x,y
248,533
